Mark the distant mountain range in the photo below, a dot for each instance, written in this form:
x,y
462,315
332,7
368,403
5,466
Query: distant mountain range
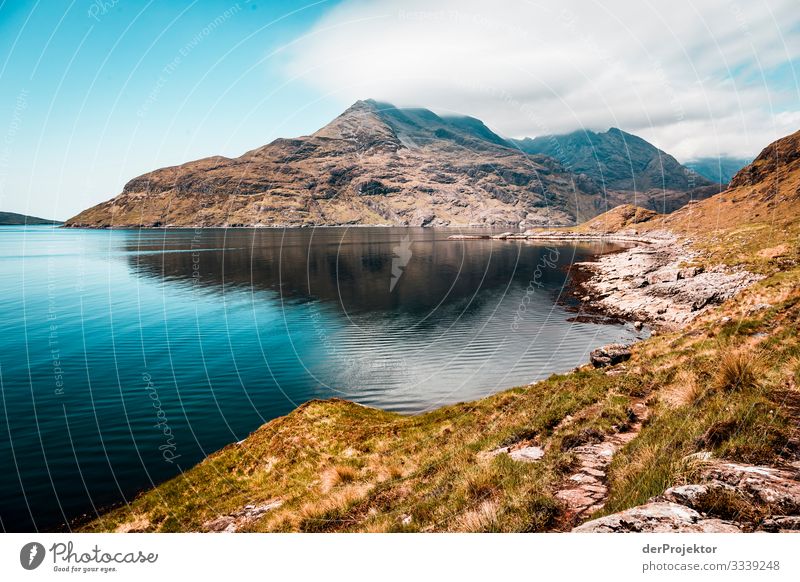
x,y
720,170
12,218
629,169
377,164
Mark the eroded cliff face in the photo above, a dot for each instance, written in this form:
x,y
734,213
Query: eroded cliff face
x,y
373,165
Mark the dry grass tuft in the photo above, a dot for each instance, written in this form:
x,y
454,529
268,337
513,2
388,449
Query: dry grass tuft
x,y
330,511
738,370
482,519
337,475
685,389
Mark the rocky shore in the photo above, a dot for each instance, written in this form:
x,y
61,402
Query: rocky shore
x,y
658,281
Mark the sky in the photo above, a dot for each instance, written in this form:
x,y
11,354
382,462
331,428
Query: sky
x,y
96,92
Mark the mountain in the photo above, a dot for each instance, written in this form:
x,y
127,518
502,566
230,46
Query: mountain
x,y
374,164
719,170
722,390
12,218
628,168
755,219
762,200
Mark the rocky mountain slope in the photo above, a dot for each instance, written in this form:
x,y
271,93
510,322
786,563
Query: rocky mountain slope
x,y
696,429
374,164
379,165
628,168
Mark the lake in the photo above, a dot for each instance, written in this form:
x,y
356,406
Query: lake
x,y
128,356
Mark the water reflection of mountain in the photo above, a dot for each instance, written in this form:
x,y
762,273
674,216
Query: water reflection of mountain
x,y
349,267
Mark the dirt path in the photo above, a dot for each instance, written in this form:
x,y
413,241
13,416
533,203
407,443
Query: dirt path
x,y
586,491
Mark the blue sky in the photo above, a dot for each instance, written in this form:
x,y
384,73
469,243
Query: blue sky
x,y
96,92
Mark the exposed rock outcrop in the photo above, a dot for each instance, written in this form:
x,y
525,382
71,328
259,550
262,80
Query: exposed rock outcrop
x,y
235,521
657,517
657,284
728,497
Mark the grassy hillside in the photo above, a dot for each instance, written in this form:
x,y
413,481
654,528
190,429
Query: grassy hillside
x,y
726,383
12,218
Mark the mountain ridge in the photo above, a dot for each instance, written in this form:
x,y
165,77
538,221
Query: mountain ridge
x,y
375,164
629,168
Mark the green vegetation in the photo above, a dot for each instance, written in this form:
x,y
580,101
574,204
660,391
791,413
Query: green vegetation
x,y
725,387
726,384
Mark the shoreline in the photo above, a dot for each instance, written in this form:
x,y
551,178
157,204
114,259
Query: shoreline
x,y
658,281
584,493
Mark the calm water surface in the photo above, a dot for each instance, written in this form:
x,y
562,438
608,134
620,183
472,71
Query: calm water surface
x,y
128,356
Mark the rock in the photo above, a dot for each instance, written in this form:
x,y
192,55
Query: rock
x,y
688,495
663,276
468,236
638,325
527,454
521,452
234,521
609,355
689,272
777,488
657,517
781,523
648,283
225,523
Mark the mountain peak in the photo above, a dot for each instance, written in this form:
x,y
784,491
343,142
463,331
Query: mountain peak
x,y
369,121
619,161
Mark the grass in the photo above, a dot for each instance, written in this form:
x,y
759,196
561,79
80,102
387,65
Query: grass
x,y
338,466
728,384
739,370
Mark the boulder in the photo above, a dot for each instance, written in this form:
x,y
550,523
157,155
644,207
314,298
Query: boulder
x,y
657,517
610,355
777,488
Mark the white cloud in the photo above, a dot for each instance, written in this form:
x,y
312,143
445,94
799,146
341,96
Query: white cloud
x,y
695,77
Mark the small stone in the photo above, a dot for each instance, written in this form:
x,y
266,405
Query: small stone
x,y
527,454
